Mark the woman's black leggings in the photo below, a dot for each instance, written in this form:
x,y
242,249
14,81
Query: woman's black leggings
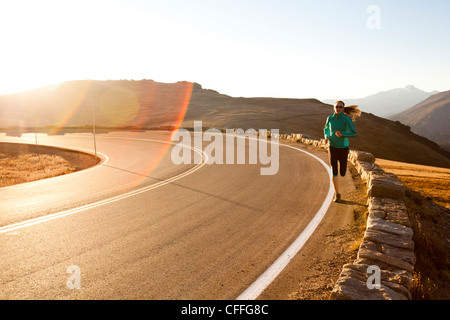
x,y
338,155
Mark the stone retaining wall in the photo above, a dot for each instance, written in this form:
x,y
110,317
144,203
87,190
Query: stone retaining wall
x,y
384,264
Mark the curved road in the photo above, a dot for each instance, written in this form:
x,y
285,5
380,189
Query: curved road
x,y
140,227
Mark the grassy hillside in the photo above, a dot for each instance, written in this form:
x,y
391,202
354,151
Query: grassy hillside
x,y
144,104
116,104
384,138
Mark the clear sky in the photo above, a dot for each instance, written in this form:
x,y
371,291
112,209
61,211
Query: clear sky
x,y
272,48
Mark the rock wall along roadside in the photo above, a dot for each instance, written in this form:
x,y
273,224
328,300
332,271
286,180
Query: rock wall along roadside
x,y
384,265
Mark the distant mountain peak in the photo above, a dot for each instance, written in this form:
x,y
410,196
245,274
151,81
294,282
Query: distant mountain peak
x,y
410,87
386,103
429,118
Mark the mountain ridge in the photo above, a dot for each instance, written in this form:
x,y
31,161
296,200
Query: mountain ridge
x,y
387,103
429,118
146,104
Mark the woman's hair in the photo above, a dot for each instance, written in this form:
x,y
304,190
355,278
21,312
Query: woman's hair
x,y
352,111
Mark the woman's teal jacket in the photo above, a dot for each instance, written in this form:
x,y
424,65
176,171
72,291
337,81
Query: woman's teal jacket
x,y
339,122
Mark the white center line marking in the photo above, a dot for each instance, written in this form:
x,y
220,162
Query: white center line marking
x,y
57,215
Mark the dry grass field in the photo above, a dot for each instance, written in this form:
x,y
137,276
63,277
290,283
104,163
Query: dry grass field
x,y
21,168
428,203
20,163
431,182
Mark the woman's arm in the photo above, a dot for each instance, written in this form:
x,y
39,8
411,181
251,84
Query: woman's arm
x,y
326,130
350,130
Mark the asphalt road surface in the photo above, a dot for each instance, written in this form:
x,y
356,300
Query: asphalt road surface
x,y
137,226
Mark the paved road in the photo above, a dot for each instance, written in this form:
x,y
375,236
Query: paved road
x,y
150,229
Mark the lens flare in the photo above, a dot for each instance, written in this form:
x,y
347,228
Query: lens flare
x,y
135,106
67,103
118,106
180,99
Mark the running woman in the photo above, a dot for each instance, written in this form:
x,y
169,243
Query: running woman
x,y
338,128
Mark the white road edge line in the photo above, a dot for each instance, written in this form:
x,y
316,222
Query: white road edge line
x,y
267,277
275,269
61,214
